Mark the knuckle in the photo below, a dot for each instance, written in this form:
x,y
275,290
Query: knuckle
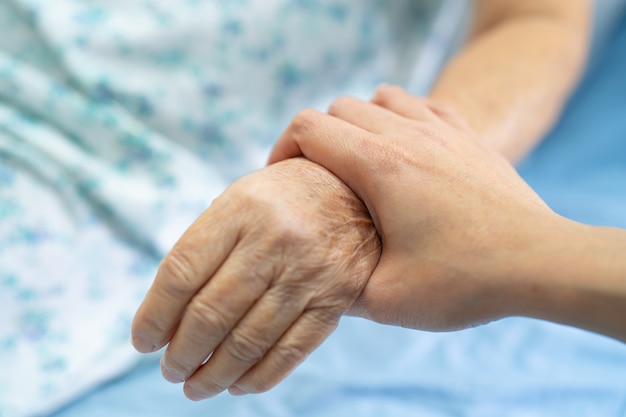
x,y
291,232
223,205
259,385
291,354
245,198
243,348
179,270
326,317
212,320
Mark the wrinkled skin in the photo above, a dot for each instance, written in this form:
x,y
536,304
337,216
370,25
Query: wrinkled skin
x,y
258,281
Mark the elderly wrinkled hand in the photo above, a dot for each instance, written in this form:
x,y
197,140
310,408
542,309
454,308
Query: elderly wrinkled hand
x,y
258,281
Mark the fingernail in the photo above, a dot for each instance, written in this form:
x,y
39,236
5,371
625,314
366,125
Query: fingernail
x,y
142,344
236,391
193,395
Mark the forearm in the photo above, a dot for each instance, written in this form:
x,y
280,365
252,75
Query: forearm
x,y
511,80
576,277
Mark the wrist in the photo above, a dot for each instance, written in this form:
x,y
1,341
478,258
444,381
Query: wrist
x,y
575,275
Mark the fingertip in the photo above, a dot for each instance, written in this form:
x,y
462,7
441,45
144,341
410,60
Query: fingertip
x,y
236,391
193,394
169,375
284,148
141,343
138,337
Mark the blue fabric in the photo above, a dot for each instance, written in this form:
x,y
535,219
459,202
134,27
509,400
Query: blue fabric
x,y
516,367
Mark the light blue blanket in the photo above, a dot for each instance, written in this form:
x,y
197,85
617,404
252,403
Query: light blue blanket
x,y
513,368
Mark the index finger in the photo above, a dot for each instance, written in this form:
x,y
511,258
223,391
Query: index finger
x,y
182,273
348,151
326,140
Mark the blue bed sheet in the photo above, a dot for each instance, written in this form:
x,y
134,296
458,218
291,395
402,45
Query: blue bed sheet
x,y
516,367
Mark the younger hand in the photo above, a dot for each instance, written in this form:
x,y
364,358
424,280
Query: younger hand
x,y
453,215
